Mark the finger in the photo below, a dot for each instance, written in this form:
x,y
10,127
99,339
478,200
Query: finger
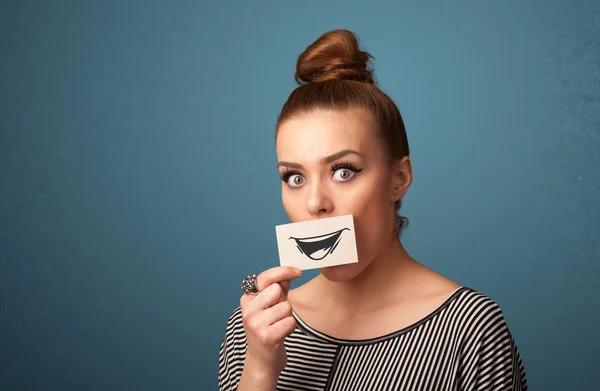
x,y
265,299
277,274
285,288
282,328
247,298
275,313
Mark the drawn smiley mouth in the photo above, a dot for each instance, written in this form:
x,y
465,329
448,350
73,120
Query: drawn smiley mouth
x,y
318,247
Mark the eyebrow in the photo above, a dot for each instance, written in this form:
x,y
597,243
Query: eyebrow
x,y
325,160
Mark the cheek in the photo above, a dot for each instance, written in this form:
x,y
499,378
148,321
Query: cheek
x,y
290,199
373,218
369,200
286,201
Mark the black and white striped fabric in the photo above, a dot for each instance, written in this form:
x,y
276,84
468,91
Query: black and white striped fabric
x,y
464,345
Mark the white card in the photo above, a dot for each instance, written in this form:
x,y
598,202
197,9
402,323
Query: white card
x,y
317,243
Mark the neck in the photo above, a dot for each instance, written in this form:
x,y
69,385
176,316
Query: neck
x,y
372,288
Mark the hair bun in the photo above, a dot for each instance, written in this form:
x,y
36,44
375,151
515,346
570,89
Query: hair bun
x,y
334,55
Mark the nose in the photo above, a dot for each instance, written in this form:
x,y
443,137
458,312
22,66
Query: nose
x,y
318,202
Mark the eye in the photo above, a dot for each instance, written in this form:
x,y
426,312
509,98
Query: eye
x,y
344,171
295,180
343,174
292,178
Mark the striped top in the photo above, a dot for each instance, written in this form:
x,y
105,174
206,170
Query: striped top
x,y
464,344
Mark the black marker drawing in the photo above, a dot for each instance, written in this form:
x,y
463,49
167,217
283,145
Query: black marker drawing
x,y
321,245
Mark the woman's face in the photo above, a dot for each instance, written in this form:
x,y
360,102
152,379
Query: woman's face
x,y
332,164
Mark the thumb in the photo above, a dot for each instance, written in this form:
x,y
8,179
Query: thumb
x,y
285,287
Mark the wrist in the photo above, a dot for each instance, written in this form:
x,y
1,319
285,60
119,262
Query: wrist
x,y
260,373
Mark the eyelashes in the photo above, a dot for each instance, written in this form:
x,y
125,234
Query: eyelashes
x,y
347,166
288,173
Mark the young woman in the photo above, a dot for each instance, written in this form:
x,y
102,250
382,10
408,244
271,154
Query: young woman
x,y
386,322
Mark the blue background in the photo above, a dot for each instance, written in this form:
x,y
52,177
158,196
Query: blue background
x,y
138,181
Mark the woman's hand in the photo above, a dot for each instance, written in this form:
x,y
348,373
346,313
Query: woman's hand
x,y
267,318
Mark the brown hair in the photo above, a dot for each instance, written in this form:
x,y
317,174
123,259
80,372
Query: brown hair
x,y
333,73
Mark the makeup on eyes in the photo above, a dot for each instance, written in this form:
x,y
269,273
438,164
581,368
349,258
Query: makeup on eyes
x,y
287,173
345,165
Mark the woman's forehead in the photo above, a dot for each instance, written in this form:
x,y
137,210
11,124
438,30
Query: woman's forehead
x,y
314,135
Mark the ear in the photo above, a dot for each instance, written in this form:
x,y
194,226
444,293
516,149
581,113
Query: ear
x,y
402,177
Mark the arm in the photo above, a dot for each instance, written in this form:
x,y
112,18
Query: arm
x,y
235,372
252,353
256,379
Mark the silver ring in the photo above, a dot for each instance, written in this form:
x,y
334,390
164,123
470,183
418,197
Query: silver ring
x,y
249,284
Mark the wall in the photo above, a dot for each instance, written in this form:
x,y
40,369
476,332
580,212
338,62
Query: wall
x,y
138,181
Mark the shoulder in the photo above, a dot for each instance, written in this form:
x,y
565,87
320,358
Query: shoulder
x,y
235,317
234,339
475,316
234,324
475,307
481,323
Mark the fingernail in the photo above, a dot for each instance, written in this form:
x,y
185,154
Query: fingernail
x,y
298,271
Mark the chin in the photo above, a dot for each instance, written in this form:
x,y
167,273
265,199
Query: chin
x,y
341,273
